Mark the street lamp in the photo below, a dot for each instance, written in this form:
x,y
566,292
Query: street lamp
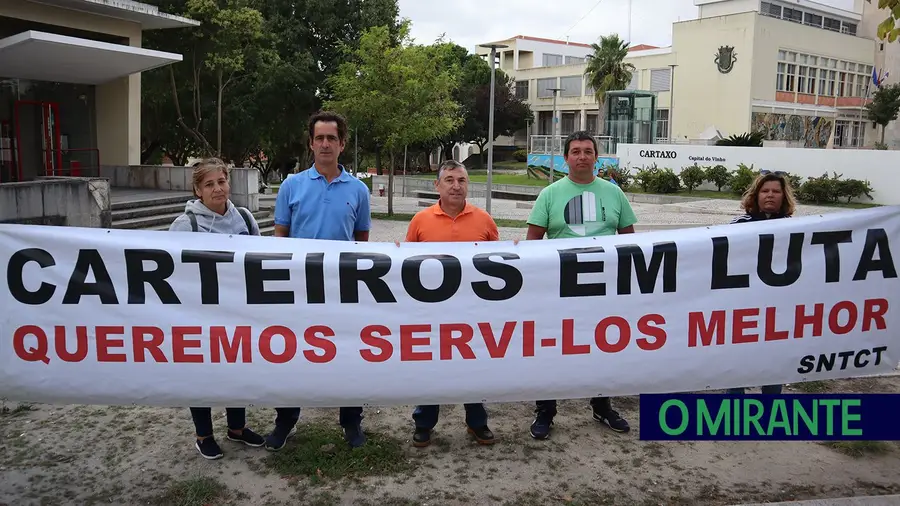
x,y
553,132
490,167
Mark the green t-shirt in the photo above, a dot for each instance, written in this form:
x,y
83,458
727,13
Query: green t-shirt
x,y
568,209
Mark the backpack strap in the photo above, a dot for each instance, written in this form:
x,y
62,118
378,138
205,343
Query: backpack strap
x,y
193,219
246,215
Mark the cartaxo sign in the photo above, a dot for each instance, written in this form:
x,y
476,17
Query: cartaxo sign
x,y
658,154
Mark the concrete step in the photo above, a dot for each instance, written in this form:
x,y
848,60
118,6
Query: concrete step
x,y
162,221
140,212
151,201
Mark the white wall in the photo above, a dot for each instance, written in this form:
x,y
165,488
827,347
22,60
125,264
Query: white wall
x,y
878,167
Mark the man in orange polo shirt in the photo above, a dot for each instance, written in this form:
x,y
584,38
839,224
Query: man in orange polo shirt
x,y
452,219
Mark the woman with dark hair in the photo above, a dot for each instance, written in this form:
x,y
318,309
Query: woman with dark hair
x,y
770,197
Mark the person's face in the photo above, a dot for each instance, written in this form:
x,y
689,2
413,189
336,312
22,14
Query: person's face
x,y
325,144
453,186
581,156
770,197
214,189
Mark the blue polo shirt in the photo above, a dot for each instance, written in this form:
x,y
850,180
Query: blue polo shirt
x,y
316,209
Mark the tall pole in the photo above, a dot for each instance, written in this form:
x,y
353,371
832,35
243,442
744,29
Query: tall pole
x,y
671,103
553,135
356,150
490,167
404,170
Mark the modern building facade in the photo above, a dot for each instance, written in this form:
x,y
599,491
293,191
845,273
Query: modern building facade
x,y
70,85
797,70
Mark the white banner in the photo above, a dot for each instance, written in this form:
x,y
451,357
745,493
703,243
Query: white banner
x,y
175,319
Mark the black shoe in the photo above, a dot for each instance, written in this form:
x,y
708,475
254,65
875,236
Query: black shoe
x,y
421,437
208,448
540,427
354,435
611,418
248,437
277,439
483,435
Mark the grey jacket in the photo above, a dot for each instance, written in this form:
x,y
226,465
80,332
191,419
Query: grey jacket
x,y
209,221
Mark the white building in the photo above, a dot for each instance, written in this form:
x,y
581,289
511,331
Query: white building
x,y
797,70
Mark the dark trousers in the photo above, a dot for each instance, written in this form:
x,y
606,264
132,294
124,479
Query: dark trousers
x,y
426,417
237,419
767,389
549,407
286,418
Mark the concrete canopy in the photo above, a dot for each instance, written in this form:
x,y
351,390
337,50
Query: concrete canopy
x,y
42,56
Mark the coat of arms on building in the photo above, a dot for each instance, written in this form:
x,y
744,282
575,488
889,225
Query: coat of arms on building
x,y
725,59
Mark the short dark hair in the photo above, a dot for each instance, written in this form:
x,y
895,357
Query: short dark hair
x,y
327,117
581,135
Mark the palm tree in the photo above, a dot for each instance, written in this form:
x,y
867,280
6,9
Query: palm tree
x,y
607,71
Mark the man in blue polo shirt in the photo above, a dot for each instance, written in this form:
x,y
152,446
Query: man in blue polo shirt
x,y
322,202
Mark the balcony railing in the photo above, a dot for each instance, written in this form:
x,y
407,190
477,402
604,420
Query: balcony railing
x,y
545,144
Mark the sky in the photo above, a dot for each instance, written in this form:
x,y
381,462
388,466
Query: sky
x,y
472,22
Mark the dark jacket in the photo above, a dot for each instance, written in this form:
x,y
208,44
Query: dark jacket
x,y
757,217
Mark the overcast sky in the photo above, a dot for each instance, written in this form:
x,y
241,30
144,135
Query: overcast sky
x,y
472,22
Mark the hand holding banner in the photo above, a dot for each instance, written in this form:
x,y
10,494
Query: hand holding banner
x,y
206,319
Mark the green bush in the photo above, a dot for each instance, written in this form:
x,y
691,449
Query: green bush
x,y
646,176
741,179
520,155
718,175
665,181
853,188
824,189
623,178
692,177
795,180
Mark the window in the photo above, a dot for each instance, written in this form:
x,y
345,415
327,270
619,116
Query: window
x,y
571,86
770,9
849,28
832,24
552,60
848,133
779,84
660,79
811,82
812,20
803,71
832,75
789,81
633,85
522,90
588,89
792,15
662,123
571,60
544,85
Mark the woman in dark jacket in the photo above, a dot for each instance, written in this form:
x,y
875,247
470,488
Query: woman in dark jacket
x,y
770,197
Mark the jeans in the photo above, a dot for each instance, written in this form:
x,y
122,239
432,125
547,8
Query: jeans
x,y
237,419
768,389
287,418
426,417
549,407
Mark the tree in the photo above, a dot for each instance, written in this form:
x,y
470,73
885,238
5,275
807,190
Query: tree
x,y
888,29
884,106
607,71
402,93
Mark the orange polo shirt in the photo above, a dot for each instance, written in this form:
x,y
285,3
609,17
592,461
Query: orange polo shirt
x,y
434,225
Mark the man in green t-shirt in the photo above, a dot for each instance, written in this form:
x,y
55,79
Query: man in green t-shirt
x,y
580,205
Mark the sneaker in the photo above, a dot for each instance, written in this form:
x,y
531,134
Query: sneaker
x,y
421,437
611,418
208,448
540,427
354,435
248,437
277,439
483,435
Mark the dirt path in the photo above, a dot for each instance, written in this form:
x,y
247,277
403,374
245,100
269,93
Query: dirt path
x,y
138,455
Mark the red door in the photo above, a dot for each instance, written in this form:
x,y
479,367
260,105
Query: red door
x,y
45,125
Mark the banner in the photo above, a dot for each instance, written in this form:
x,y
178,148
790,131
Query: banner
x,y
177,319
